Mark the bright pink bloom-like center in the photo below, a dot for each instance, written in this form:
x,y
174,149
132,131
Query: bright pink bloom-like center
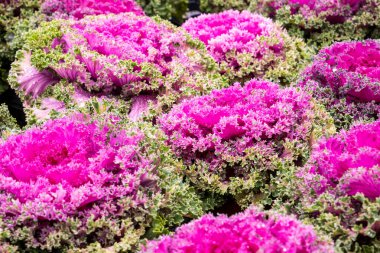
x,y
359,57
350,161
51,171
113,49
350,69
228,121
125,36
251,231
232,31
60,154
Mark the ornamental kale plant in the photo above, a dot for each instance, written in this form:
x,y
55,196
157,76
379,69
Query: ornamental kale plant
x,y
322,22
79,9
245,141
83,183
342,188
251,231
120,56
16,18
249,46
345,77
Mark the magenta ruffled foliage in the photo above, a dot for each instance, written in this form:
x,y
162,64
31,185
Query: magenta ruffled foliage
x,y
72,171
246,45
345,77
118,56
105,48
340,188
233,31
228,121
236,139
80,8
347,163
251,231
